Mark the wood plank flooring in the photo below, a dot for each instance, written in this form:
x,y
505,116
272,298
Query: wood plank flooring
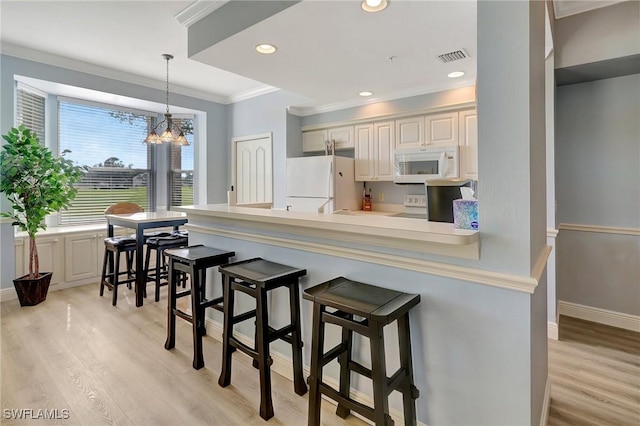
x,y
595,375
108,365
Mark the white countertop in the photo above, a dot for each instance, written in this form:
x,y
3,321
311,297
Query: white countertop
x,y
371,223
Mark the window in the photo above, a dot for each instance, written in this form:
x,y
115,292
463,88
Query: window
x,y
109,141
180,170
30,107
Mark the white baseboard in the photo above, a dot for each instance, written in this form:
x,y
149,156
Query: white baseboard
x,y
552,330
284,367
602,316
10,293
546,403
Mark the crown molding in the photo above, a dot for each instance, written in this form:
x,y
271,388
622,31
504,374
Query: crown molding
x,y
198,10
303,111
100,71
243,96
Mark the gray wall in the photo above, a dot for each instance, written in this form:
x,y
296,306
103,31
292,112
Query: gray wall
x,y
597,184
598,35
216,128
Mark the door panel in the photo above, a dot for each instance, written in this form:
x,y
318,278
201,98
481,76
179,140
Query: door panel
x,y
253,169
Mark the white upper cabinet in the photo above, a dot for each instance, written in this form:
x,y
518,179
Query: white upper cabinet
x,y
469,144
441,129
410,132
374,146
315,140
343,137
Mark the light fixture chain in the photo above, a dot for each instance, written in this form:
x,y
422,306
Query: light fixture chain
x,y
167,57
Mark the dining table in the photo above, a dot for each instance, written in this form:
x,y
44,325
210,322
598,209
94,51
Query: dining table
x,y
139,222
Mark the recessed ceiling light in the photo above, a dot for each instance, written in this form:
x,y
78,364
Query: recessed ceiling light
x,y
266,48
365,93
455,74
374,5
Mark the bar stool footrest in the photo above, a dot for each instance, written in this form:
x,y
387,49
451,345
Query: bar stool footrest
x,y
247,350
283,334
243,317
185,316
333,353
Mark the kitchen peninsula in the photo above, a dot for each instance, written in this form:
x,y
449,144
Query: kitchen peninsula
x,y
460,329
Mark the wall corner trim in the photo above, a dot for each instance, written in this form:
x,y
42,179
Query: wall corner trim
x,y
546,403
552,330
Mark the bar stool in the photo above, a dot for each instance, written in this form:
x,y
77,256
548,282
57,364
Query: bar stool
x,y
256,277
158,244
378,307
194,261
113,248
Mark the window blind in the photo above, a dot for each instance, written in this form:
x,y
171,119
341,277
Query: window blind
x,y
180,170
30,110
120,166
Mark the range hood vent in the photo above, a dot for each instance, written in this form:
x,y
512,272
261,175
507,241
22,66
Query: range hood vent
x,y
456,55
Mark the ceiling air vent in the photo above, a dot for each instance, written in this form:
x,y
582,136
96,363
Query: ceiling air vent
x,y
456,55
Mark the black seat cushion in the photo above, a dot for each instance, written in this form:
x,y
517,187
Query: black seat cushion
x,y
172,240
120,242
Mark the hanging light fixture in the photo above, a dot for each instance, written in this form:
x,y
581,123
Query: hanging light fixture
x,y
171,133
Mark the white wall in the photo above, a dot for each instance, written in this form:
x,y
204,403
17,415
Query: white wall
x,y
597,184
598,35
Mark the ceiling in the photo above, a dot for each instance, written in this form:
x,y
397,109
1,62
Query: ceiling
x,y
328,51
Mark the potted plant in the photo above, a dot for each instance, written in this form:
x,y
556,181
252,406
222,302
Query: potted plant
x,y
36,183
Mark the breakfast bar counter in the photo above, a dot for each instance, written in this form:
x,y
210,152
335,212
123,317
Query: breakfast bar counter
x,y
346,227
469,334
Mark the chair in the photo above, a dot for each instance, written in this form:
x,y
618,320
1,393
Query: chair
x,y
113,248
194,261
255,278
377,307
159,244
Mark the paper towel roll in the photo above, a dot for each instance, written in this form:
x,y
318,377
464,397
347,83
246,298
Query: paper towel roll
x,y
231,198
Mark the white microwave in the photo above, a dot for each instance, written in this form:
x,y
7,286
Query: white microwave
x,y
420,165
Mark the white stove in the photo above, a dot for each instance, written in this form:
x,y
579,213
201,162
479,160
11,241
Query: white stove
x,y
415,207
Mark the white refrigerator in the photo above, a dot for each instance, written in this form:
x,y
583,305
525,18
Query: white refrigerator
x,y
322,184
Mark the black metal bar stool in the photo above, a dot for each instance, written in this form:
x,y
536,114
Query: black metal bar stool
x,y
158,244
256,277
378,307
113,247
194,261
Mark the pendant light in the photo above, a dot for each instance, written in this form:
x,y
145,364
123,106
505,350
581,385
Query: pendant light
x,y
171,132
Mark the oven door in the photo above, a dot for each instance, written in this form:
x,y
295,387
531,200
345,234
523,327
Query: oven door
x,y
419,167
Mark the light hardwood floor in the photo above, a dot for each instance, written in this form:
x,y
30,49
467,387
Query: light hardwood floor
x,y
108,366
595,375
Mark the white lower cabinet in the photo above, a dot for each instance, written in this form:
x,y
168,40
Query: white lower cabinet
x,y
468,121
81,256
374,144
50,257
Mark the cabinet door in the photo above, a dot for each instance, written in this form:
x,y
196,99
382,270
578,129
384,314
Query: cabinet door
x,y
469,144
343,137
442,129
383,143
314,140
363,153
50,256
410,132
81,256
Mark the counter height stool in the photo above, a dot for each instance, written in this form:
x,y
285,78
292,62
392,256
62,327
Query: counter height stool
x,y
255,277
378,307
158,244
194,261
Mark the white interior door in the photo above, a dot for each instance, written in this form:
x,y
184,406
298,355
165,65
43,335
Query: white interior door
x,y
253,170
